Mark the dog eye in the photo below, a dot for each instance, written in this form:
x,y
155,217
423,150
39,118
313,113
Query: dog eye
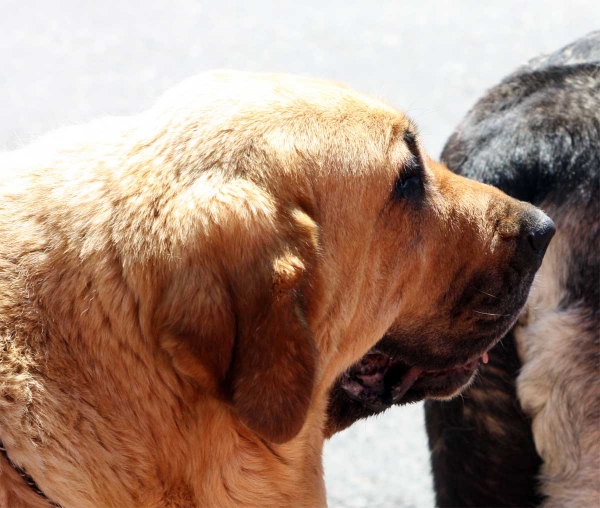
x,y
408,184
408,187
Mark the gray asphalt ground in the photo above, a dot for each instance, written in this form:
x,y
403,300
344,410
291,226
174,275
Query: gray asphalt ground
x,y
63,62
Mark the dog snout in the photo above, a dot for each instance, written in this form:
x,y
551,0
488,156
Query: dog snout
x,y
537,232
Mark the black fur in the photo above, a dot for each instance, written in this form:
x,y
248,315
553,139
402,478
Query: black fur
x,y
536,136
482,451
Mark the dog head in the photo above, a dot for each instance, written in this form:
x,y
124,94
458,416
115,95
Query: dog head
x,y
302,222
469,261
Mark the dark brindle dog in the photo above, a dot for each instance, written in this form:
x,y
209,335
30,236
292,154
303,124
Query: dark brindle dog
x,y
527,431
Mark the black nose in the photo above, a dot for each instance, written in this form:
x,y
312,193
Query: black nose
x,y
541,236
540,230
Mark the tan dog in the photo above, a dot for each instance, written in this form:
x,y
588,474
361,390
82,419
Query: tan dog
x,y
180,289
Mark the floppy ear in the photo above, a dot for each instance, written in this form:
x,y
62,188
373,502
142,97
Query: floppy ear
x,y
243,334
273,369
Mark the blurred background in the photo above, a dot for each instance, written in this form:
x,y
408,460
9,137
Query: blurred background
x,y
67,61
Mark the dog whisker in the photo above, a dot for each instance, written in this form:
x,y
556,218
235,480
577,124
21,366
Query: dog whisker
x,y
488,294
491,314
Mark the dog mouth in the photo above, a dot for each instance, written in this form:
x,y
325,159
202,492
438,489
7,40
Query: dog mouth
x,y
378,380
396,372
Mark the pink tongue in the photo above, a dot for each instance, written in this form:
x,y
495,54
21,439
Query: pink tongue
x,y
485,358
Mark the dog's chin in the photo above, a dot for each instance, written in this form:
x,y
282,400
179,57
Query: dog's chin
x,y
378,381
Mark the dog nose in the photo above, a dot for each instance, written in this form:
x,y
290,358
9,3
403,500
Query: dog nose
x,y
539,232
540,237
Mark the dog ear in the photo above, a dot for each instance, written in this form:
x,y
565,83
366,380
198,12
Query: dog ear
x,y
273,369
197,325
241,331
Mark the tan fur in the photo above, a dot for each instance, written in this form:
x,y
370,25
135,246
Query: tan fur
x,y
179,289
559,385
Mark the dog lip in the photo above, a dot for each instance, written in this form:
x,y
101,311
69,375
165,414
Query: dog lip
x,y
378,380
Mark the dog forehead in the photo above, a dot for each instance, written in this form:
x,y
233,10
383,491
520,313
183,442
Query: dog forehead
x,y
230,93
